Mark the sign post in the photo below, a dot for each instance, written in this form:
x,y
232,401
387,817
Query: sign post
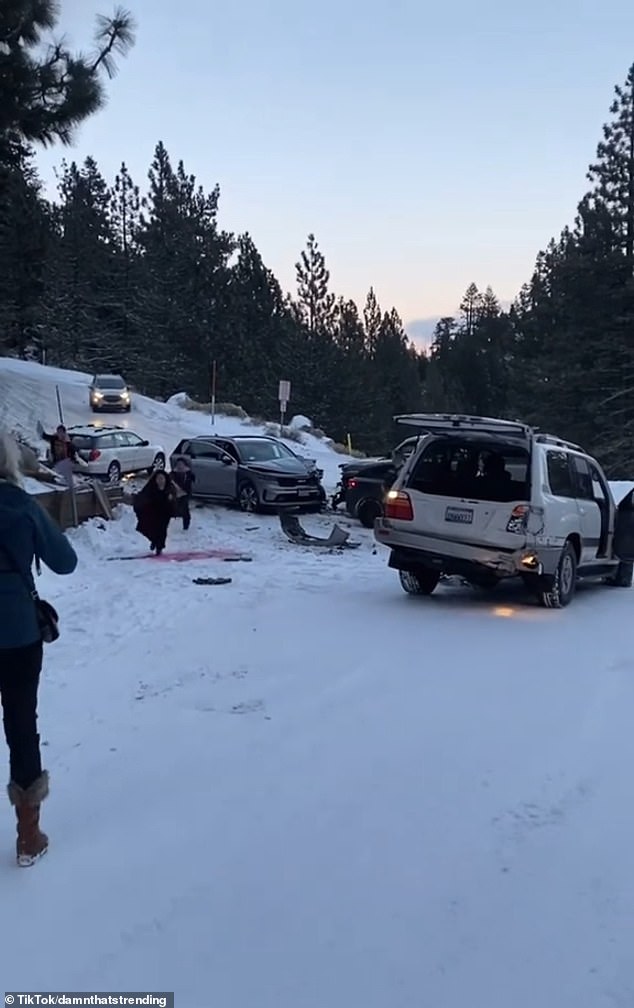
x,y
284,394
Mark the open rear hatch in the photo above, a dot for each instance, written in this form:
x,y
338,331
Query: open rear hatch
x,y
471,481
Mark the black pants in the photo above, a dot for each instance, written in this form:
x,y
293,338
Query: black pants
x,y
19,680
185,513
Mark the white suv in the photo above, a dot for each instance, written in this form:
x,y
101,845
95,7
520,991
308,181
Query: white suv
x,y
489,499
111,452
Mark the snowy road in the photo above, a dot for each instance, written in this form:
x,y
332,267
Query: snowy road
x,y
306,789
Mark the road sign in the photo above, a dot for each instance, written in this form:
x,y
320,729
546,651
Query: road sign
x,y
284,393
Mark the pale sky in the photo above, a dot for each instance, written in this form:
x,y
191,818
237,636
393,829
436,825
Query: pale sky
x,y
425,145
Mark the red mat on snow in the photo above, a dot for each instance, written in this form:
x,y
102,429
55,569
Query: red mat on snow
x,y
210,554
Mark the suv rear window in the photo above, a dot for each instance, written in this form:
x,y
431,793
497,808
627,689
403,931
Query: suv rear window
x,y
81,442
476,470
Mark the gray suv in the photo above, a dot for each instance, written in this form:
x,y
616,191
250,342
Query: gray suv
x,y
252,471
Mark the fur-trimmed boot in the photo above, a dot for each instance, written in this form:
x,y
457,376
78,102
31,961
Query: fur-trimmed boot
x,y
31,842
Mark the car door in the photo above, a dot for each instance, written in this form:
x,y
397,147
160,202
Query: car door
x,y
126,455
588,507
141,454
214,477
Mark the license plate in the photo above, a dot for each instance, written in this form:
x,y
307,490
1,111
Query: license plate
x,y
461,516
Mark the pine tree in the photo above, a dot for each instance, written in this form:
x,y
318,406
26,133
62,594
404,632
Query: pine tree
x,y
612,175
314,300
261,328
573,359
24,238
372,318
124,209
80,314
45,90
316,356
185,280
396,377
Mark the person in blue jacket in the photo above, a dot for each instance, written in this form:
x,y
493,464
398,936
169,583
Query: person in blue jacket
x,y
26,534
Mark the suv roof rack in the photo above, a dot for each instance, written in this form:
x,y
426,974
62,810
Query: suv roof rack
x,y
459,421
554,440
102,428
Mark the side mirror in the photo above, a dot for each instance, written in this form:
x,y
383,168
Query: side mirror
x,y
226,460
145,444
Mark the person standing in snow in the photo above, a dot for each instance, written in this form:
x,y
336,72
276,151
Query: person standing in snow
x,y
26,534
154,506
63,452
184,478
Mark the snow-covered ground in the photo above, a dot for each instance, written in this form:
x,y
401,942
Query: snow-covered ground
x,y
28,394
305,789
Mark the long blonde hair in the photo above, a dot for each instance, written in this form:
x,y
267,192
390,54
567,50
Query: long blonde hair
x,y
10,459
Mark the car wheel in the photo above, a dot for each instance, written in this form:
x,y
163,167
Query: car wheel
x,y
556,592
114,472
623,576
128,407
421,583
368,511
248,499
159,461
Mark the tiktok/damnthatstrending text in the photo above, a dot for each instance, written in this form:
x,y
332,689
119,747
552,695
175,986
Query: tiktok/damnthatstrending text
x,y
46,999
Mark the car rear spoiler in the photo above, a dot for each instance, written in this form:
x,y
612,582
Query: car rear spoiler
x,y
432,422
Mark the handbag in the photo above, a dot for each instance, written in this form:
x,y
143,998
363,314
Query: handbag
x,y
47,617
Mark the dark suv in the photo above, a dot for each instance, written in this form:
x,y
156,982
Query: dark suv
x,y
365,482
252,471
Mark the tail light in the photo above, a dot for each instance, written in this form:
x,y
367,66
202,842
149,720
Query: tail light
x,y
398,505
94,455
518,521
351,484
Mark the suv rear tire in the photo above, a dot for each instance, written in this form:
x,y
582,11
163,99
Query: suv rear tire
x,y
557,591
422,582
367,511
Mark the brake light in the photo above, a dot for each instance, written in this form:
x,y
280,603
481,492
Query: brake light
x,y
519,519
94,455
398,505
351,484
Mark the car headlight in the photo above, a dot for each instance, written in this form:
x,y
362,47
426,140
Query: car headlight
x,y
97,395
125,395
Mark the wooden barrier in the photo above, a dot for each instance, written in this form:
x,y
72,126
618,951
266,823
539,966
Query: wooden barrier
x,y
92,501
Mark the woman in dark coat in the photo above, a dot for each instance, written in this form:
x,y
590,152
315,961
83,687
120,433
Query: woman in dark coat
x,y
26,534
154,506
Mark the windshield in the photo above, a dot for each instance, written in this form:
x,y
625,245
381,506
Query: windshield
x,y
472,470
113,383
262,451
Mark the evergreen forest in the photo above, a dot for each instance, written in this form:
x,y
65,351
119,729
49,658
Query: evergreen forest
x,y
139,276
